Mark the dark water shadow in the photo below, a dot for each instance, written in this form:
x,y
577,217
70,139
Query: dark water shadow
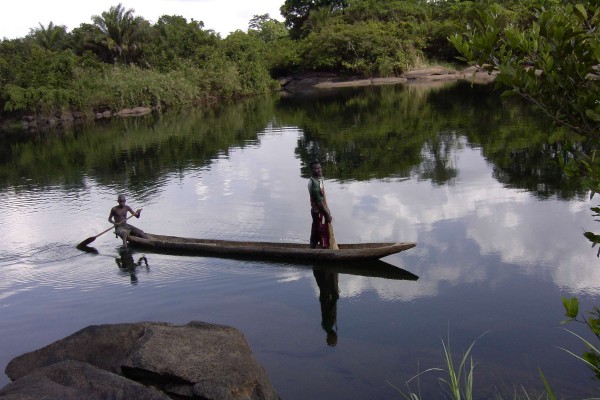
x,y
128,265
371,269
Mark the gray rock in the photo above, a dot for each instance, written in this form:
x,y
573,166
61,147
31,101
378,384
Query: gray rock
x,y
74,380
197,360
101,345
136,111
66,117
141,110
125,112
430,73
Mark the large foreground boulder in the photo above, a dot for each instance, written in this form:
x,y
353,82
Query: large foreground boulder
x,y
197,360
75,380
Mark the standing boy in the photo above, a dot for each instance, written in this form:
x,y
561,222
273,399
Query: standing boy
x,y
321,217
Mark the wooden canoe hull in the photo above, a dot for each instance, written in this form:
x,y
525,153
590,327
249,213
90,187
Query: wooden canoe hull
x,y
226,248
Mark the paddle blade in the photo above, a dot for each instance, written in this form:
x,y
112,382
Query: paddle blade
x,y
332,243
87,249
87,241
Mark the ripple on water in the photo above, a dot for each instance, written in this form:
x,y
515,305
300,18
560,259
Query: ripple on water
x,y
61,266
56,265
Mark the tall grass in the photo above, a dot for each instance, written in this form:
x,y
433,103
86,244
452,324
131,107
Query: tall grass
x,y
126,87
458,380
117,87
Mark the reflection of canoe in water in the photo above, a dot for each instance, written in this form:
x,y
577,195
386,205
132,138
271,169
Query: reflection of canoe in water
x,y
369,268
226,248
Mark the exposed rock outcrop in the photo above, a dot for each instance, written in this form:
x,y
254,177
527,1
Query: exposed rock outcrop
x,y
136,111
320,80
195,361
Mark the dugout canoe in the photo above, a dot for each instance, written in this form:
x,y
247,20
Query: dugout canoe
x,y
278,250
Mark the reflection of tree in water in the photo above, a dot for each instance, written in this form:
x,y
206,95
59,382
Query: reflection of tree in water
x,y
536,169
439,164
132,155
328,296
128,265
398,132
391,131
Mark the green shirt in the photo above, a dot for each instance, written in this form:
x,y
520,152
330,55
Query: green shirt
x,y
316,190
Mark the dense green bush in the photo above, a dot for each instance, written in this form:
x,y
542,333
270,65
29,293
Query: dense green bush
x,y
365,48
173,39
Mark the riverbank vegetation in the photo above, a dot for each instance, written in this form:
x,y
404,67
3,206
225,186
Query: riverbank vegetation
x,y
121,60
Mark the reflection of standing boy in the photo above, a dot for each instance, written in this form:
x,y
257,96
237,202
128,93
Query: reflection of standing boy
x,y
321,217
118,214
329,293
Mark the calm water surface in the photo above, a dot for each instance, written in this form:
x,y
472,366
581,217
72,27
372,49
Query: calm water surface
x,y
468,177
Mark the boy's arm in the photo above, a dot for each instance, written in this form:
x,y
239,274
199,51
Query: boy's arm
x,y
130,210
137,213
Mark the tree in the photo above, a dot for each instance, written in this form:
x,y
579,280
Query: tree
x,y
551,59
266,28
120,32
174,39
53,37
246,53
370,48
282,55
397,11
296,13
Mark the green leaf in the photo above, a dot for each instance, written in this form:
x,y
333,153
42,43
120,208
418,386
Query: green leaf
x,y
547,386
582,11
592,237
571,307
593,115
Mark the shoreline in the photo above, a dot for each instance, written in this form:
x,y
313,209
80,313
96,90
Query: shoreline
x,y
298,83
323,80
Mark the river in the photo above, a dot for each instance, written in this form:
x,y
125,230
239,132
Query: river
x,y
468,176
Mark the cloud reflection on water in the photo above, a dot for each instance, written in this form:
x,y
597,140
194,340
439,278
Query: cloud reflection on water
x,y
462,229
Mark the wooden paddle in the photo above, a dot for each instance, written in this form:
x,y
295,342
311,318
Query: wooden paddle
x,y
92,238
332,243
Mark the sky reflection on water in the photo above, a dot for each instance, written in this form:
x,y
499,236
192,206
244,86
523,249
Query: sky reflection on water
x,y
489,258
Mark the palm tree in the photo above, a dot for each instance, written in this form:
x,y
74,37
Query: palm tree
x,y
120,32
53,37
